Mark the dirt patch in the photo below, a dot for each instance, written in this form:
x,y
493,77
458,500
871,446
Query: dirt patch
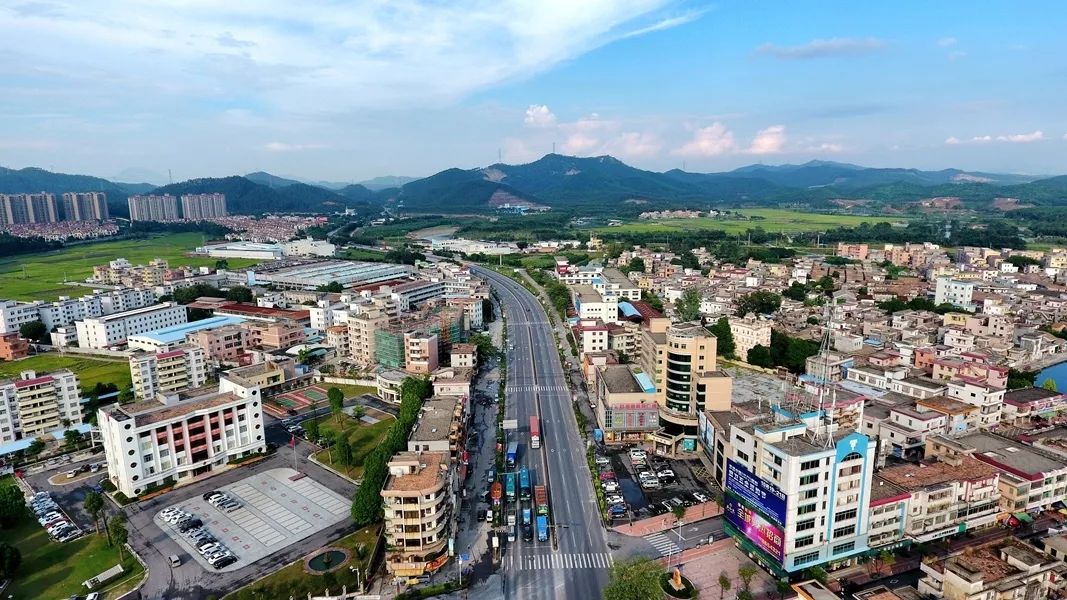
x,y
1009,204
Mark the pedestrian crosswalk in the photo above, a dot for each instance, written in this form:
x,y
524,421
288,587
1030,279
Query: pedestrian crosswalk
x,y
561,560
663,544
536,388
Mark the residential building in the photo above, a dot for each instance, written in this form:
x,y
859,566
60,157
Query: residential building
x,y
420,352
948,496
308,247
853,251
682,362
954,291
337,337
388,383
1006,569
165,338
591,304
23,209
420,507
13,347
14,315
1022,405
85,206
33,405
279,336
413,294
115,329
167,372
174,437
988,398
223,344
271,376
614,283
748,332
452,381
153,208
889,512
626,407
201,207
464,356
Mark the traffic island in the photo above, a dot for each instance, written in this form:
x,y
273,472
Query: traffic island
x,y
676,586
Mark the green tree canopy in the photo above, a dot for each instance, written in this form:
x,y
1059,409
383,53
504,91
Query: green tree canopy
x,y
239,293
688,306
117,531
1050,384
796,291
636,264
35,331
637,579
10,559
725,338
760,303
760,356
12,506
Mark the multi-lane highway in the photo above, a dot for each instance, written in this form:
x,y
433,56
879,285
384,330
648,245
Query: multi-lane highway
x,y
577,565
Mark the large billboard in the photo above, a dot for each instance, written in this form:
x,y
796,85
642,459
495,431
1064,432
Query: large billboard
x,y
758,530
763,496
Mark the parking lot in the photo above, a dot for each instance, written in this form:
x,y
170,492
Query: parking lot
x,y
278,507
644,502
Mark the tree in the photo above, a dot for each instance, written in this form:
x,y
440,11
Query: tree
x,y
12,506
796,291
71,438
222,264
127,395
36,447
337,403
887,558
724,585
117,531
744,594
725,337
634,580
636,264
10,559
239,293
358,411
783,588
94,505
488,316
817,573
746,573
34,330
344,451
1050,384
679,512
652,299
312,429
760,303
332,287
688,306
760,356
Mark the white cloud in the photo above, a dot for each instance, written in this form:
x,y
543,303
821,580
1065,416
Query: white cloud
x,y
1065,136
956,55
634,144
666,23
946,42
713,140
826,147
285,147
1022,138
768,141
538,115
824,48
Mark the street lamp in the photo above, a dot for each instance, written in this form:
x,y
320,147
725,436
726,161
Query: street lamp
x,y
678,532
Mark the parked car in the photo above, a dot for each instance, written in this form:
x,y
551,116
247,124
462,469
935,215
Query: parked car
x,y
610,486
208,496
225,561
614,499
666,474
601,460
607,476
71,474
638,453
701,496
490,476
190,523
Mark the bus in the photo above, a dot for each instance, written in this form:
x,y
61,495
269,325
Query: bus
x,y
524,484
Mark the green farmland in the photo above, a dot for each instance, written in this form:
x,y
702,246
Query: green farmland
x,y
41,277
771,220
90,371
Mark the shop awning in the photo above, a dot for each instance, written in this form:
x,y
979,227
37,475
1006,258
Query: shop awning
x,y
1024,518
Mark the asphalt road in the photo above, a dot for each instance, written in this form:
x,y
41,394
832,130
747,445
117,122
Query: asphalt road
x,y
576,566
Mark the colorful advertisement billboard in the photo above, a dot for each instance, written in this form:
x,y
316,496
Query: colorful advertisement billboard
x,y
764,496
758,530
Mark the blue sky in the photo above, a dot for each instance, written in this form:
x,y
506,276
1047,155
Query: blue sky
x,y
347,91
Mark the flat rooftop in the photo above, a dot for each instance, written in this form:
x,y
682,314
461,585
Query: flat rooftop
x,y
429,469
177,333
930,473
1003,452
149,412
948,406
1024,396
620,380
883,489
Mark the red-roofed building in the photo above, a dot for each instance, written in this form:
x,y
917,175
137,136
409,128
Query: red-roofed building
x,y
12,347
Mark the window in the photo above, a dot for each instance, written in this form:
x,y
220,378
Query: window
x,y
778,460
807,508
847,547
809,464
805,558
844,531
743,456
806,525
805,541
845,515
809,479
809,494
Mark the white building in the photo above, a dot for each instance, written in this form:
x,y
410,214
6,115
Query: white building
x,y
953,291
115,329
33,405
590,304
179,436
66,310
179,369
748,332
989,399
309,247
14,314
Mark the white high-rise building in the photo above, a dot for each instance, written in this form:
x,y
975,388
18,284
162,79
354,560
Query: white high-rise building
x,y
954,291
197,207
153,208
167,372
34,405
115,329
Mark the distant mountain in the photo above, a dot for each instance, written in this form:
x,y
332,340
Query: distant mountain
x,y
269,180
140,174
818,173
387,181
244,196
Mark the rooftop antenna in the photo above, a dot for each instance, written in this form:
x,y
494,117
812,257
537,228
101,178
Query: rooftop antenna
x,y
170,177
499,155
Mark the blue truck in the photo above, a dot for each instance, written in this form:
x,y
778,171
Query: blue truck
x,y
542,529
509,486
512,454
524,485
527,525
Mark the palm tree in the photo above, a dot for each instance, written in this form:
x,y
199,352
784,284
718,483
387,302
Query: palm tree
x,y
724,585
746,573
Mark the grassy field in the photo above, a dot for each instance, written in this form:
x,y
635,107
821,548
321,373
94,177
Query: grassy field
x,y
352,391
364,254
772,220
363,437
41,276
89,370
53,570
293,581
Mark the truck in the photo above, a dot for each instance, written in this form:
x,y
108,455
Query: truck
x,y
512,454
509,486
542,528
535,432
527,525
524,484
511,519
541,499
496,492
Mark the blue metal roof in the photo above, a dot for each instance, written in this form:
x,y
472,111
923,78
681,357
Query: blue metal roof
x,y
629,310
646,382
17,445
176,333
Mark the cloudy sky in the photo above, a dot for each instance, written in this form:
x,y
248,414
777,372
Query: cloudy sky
x,y
344,91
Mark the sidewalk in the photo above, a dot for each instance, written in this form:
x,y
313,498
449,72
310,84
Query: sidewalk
x,y
660,523
703,565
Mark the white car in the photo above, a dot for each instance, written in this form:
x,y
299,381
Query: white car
x,y
610,486
666,474
638,453
701,497
615,499
602,460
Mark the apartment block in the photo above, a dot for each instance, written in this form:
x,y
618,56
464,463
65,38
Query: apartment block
x,y
591,304
411,295
420,508
66,310
198,207
988,398
34,405
420,352
167,372
85,206
681,360
748,332
174,437
274,336
166,338
954,291
948,496
889,512
115,329
153,208
794,499
337,337
464,356
14,314
23,209
13,347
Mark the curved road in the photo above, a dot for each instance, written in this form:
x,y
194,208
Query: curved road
x,y
577,565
